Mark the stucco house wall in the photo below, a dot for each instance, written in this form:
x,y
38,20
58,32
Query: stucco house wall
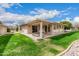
x,y
3,29
26,29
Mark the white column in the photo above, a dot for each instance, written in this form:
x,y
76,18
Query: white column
x,y
61,28
52,29
41,30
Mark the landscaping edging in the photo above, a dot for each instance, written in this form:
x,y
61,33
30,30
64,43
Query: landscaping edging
x,y
60,54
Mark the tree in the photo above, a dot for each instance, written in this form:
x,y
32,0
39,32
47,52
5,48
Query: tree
x,y
67,24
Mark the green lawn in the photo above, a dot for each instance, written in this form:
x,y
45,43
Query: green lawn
x,y
65,40
59,43
4,39
21,45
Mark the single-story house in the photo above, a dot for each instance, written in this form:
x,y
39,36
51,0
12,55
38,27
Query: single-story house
x,y
38,29
3,29
8,29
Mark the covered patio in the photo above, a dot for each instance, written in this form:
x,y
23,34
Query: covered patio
x,y
41,28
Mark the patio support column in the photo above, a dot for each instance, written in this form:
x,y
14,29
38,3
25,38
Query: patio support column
x,y
61,28
41,30
52,29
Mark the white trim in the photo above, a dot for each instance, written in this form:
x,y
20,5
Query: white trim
x,y
41,30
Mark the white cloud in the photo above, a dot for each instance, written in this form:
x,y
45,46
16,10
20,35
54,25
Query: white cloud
x,y
45,14
69,8
6,5
66,11
76,21
67,19
19,5
2,10
10,18
3,6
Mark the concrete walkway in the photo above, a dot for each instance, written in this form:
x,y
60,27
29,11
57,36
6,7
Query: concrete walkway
x,y
74,50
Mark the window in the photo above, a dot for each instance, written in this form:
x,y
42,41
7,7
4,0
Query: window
x,y
49,28
34,28
45,27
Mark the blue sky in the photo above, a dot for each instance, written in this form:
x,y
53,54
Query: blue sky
x,y
27,7
62,10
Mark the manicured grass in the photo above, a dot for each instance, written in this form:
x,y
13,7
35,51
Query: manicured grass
x,y
54,51
46,48
21,45
60,41
3,42
65,40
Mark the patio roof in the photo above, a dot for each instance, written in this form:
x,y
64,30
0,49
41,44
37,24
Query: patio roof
x,y
39,20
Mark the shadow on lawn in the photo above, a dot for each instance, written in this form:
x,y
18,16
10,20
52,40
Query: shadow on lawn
x,y
4,39
61,36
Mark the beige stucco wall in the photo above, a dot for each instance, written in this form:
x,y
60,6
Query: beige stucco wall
x,y
3,29
57,28
26,29
29,29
